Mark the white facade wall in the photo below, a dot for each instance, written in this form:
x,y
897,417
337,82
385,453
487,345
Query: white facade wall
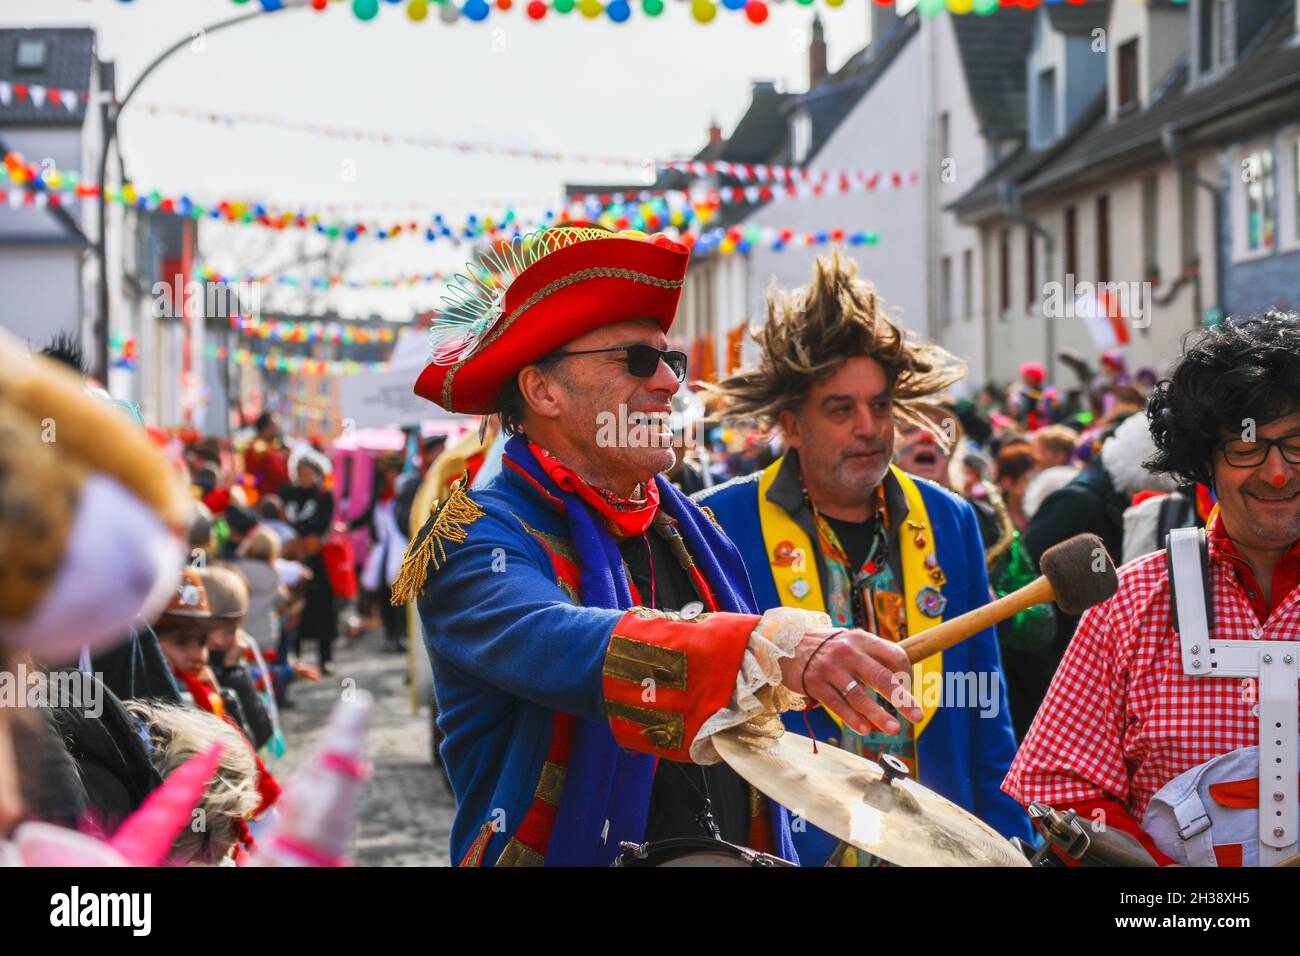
x,y
948,175
1022,334
40,280
884,131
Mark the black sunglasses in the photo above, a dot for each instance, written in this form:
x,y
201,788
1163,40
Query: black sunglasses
x,y
643,360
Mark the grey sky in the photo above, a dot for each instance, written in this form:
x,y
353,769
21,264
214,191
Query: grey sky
x,y
644,88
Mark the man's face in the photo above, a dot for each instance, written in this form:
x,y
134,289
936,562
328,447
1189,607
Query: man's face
x,y
186,649
844,431
603,406
1261,505
919,454
307,476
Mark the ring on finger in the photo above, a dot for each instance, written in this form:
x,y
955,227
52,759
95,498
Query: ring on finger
x,y
848,688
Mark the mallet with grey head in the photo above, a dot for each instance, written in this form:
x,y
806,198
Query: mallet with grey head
x,y
1077,574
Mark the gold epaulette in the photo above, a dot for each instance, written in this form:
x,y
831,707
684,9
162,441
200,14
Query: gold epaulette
x,y
449,521
708,513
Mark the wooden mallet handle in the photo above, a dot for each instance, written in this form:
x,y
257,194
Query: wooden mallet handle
x,y
955,630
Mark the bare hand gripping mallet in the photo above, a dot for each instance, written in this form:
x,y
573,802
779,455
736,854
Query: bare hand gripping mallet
x,y
1077,574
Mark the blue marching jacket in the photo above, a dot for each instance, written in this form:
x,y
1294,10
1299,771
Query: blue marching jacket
x,y
962,754
541,661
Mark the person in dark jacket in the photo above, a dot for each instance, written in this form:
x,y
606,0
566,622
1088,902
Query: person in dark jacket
x,y
309,508
228,599
1093,503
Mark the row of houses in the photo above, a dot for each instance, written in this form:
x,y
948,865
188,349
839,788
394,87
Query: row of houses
x,y
1104,174
172,348
49,275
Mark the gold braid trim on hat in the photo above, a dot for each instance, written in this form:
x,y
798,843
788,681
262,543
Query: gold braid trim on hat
x,y
811,332
602,272
448,522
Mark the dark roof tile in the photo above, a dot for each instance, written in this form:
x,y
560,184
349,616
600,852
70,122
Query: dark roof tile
x,y
70,60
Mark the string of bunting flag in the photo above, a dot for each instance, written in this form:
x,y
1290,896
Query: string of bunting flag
x,y
208,274
279,361
755,12
41,96
391,138
771,179
689,212
289,330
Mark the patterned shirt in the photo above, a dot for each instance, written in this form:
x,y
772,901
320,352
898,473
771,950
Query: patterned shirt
x,y
1120,719
870,598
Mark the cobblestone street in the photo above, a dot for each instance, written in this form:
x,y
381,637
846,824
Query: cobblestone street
x,y
407,808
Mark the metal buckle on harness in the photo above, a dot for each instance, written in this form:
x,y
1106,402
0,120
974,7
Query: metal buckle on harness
x,y
1197,826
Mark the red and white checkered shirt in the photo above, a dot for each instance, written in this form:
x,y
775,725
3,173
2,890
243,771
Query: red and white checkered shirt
x,y
1120,719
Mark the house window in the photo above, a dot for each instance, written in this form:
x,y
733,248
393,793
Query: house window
x,y
1004,274
800,137
1103,238
1071,242
1295,183
1150,228
1128,73
1257,171
1215,25
945,290
31,56
944,142
1221,47
968,283
1031,269
1047,105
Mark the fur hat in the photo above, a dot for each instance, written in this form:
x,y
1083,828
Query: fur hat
x,y
91,533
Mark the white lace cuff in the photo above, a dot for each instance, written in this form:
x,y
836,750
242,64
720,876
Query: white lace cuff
x,y
760,696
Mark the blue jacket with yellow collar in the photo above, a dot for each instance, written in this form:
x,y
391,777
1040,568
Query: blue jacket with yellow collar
x,y
965,744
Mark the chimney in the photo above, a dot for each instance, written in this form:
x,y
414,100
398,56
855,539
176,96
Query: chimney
x,y
883,18
715,133
816,53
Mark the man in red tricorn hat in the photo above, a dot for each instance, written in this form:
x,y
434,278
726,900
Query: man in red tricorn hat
x,y
591,628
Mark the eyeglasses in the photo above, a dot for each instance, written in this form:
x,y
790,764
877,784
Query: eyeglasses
x,y
1251,454
643,360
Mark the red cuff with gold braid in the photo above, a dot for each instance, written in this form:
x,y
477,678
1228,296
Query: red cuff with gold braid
x,y
664,677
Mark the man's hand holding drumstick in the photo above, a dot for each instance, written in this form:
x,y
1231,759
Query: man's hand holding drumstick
x,y
841,668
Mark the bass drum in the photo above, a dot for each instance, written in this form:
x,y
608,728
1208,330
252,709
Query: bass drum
x,y
694,851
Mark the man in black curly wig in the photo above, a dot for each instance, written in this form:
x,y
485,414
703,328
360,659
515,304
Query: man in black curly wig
x,y
1128,733
1230,418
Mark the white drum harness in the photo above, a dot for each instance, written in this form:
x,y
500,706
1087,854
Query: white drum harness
x,y
1274,665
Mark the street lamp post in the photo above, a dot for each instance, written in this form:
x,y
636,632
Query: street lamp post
x,y
113,112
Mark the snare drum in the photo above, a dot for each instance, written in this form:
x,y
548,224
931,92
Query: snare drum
x,y
694,851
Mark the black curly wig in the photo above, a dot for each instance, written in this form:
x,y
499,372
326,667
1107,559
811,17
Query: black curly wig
x,y
1243,369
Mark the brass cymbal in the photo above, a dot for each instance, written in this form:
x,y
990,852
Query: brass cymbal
x,y
852,798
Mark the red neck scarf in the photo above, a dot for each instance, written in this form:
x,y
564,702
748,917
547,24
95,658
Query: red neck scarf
x,y
625,517
210,701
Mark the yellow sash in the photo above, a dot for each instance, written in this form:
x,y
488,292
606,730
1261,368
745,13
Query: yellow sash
x,y
795,573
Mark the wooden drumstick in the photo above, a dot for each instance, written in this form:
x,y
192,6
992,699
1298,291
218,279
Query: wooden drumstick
x,y
1071,577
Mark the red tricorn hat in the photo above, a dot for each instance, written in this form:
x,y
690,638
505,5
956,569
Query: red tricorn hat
x,y
533,295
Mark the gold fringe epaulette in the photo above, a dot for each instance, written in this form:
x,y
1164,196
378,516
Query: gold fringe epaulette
x,y
449,521
708,513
